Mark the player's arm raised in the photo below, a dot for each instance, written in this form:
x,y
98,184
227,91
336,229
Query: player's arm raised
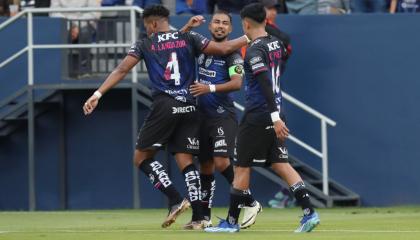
x,y
216,48
115,77
225,48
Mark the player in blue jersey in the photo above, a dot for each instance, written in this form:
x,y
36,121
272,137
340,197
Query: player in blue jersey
x,y
173,120
218,76
261,136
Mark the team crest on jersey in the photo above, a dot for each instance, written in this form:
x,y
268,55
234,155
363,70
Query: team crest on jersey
x,y
200,59
208,61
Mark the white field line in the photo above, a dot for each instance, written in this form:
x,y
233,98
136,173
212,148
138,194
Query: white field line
x,y
249,230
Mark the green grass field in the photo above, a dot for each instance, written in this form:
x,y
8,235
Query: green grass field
x,y
339,223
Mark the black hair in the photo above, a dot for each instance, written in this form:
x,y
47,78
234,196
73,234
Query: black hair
x,y
254,11
219,11
156,10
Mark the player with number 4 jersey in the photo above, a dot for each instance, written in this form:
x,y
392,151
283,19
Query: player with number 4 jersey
x,y
173,120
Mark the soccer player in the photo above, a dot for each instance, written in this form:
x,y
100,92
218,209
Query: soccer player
x,y
173,119
218,76
262,132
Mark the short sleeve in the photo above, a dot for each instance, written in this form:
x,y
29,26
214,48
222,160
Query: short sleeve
x,y
135,50
198,41
235,64
256,60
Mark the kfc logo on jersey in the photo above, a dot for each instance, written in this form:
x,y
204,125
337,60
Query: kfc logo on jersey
x,y
273,45
167,36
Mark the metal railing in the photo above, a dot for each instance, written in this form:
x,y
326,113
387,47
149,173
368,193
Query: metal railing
x,y
324,120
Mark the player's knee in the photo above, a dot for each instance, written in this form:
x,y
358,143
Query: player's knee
x,y
221,163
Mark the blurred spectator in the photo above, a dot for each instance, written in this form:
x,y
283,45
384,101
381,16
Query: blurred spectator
x,y
82,27
191,7
231,6
274,7
368,6
145,3
42,3
4,8
304,7
333,6
404,6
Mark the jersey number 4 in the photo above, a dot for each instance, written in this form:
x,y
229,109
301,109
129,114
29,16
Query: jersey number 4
x,y
172,69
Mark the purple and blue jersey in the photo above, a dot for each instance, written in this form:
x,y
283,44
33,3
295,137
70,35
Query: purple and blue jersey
x,y
170,61
218,70
265,54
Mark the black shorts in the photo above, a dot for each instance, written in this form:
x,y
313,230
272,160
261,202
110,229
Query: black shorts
x,y
217,137
258,145
173,123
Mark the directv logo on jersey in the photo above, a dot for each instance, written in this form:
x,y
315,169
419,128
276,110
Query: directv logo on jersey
x,y
187,109
273,45
206,72
167,36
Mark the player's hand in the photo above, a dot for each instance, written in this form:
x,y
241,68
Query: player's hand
x,y
282,132
90,105
196,21
198,89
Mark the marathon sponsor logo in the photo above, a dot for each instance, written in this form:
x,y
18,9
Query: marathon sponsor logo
x,y
220,110
181,98
273,45
254,60
169,45
177,92
193,143
220,143
206,72
180,110
258,65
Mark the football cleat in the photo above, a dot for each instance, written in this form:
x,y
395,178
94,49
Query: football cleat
x,y
175,211
250,215
223,226
308,223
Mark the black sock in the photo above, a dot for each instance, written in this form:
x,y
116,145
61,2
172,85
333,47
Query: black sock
x,y
228,174
208,186
302,197
192,180
160,180
238,199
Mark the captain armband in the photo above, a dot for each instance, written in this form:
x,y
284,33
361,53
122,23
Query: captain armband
x,y
236,69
